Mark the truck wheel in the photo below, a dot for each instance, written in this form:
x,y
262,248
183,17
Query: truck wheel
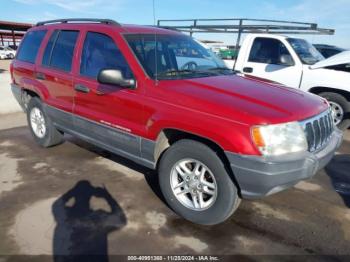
x,y
340,109
196,184
41,126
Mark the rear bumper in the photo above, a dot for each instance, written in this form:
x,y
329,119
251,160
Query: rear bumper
x,y
17,93
261,176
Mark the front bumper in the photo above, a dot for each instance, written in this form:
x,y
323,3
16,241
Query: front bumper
x,y
259,176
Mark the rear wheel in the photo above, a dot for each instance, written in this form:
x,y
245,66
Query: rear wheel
x,y
41,126
340,109
196,184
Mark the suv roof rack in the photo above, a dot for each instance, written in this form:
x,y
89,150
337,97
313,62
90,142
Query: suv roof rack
x,y
87,20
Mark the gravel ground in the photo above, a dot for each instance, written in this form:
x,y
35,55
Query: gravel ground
x,y
77,198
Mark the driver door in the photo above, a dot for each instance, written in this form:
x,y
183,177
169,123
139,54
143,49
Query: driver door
x,y
109,115
267,59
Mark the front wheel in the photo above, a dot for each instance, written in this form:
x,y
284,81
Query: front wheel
x,y
340,109
196,184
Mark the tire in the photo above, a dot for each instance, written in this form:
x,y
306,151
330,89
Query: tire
x,y
50,136
339,101
12,56
222,206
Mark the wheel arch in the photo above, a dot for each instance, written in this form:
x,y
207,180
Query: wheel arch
x,y
26,95
321,89
31,92
169,136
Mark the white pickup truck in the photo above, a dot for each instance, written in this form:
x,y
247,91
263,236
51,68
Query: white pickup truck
x,y
296,63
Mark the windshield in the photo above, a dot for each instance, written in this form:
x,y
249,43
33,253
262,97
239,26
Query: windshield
x,y
8,48
306,52
176,56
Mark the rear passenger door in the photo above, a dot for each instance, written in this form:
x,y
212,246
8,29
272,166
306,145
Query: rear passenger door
x,y
109,115
55,73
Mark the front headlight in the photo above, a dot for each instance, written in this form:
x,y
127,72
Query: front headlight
x,y
275,140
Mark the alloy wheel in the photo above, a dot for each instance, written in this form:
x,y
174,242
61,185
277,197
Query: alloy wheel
x,y
193,184
37,121
337,112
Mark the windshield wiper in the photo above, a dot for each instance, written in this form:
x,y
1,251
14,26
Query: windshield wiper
x,y
222,69
176,72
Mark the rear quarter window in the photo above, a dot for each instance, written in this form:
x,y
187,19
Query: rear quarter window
x,y
30,46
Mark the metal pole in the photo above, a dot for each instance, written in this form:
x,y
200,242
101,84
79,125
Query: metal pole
x,y
238,40
194,26
2,39
239,34
14,38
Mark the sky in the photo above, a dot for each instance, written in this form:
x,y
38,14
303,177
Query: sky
x,y
326,13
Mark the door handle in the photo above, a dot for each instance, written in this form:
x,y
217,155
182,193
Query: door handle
x,y
81,88
248,70
40,76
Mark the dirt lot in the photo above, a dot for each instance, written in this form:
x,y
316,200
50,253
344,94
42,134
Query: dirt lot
x,y
45,196
77,198
5,65
8,103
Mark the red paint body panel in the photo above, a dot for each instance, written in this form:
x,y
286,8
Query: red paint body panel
x,y
221,108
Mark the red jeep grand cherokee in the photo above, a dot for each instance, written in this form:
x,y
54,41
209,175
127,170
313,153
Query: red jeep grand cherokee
x,y
159,98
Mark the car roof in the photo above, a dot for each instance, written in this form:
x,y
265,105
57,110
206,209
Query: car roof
x,y
328,46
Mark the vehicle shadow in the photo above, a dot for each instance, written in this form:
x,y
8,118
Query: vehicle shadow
x,y
149,174
2,70
339,172
81,232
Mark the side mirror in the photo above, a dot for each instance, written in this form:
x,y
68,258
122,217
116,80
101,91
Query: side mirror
x,y
286,60
114,77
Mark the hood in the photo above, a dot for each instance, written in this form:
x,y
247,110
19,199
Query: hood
x,y
338,59
243,100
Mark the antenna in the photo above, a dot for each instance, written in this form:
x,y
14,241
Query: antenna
x,y
155,44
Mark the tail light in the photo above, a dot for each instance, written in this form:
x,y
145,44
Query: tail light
x,y
11,73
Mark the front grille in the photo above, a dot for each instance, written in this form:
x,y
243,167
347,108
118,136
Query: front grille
x,y
318,130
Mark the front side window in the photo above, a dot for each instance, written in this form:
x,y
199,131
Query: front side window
x,y
100,52
30,46
60,49
174,56
268,51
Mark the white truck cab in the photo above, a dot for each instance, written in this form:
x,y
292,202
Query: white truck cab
x,y
296,63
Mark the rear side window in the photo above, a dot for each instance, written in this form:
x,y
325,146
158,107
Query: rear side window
x,y
48,49
100,52
59,50
30,46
